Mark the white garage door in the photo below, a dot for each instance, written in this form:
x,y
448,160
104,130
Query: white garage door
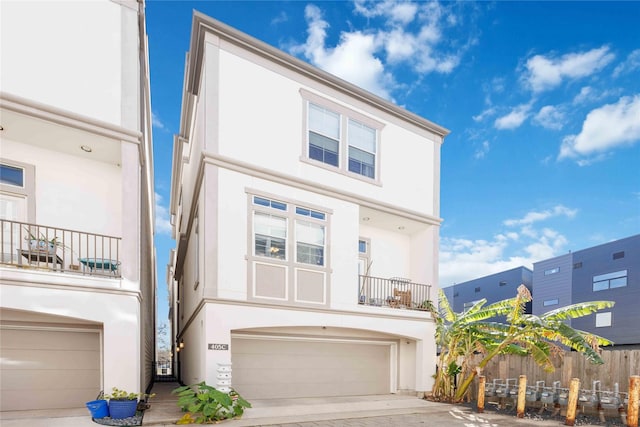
x,y
48,369
272,368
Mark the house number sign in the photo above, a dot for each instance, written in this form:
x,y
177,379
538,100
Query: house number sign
x,y
218,346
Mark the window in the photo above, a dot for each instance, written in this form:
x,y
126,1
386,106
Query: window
x,y
274,222
362,149
341,138
550,302
363,247
477,289
309,243
551,271
11,175
616,279
270,235
324,135
577,265
603,319
17,191
503,283
468,305
618,255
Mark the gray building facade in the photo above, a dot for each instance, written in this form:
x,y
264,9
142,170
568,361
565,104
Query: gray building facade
x,y
494,287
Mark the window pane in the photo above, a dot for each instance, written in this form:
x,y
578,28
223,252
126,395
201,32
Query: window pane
x,y
362,137
270,225
310,243
361,162
618,283
308,232
310,254
317,215
324,121
271,247
362,246
323,149
12,175
601,286
614,275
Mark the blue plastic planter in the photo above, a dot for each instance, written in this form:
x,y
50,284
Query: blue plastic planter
x,y
122,408
98,408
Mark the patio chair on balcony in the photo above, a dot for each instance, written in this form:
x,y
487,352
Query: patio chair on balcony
x,y
99,264
400,299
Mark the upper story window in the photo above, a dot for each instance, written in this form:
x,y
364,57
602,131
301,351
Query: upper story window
x,y
552,271
11,175
274,222
338,137
549,302
617,279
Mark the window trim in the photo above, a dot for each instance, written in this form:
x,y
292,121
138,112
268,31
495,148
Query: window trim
x,y
346,114
608,277
28,190
290,264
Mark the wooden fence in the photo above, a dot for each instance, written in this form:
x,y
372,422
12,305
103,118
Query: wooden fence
x,y
618,366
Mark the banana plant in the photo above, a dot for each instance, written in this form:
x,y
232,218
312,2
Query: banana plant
x,y
476,330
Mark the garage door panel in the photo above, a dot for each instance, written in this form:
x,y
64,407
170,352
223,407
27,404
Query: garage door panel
x,y
46,359
272,368
52,340
55,398
13,380
44,368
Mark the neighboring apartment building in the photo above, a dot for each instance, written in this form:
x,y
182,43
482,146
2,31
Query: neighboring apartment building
x,y
77,266
494,287
609,272
306,215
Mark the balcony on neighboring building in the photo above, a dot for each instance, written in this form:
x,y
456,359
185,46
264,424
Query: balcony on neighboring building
x,y
45,248
395,292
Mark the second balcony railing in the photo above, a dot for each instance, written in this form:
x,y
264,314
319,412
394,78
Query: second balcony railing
x,y
395,292
35,246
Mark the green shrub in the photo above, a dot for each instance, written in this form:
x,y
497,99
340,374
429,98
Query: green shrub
x,y
209,404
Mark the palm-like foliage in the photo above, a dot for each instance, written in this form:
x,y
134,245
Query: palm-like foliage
x,y
460,335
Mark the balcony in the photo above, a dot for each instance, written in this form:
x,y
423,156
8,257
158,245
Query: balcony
x,y
395,292
44,248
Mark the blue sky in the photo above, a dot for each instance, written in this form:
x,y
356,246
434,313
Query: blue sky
x,y
542,100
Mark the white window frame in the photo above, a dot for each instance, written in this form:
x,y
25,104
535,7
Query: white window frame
x,y
347,115
27,190
608,279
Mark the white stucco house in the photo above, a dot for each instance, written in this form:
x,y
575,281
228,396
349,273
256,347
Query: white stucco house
x,y
306,216
77,266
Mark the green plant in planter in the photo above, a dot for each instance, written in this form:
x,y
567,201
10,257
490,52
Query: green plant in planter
x,y
42,243
118,394
209,404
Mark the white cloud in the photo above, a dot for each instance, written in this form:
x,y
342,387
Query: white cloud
x,y
156,122
280,18
545,73
482,151
464,259
604,129
533,216
631,64
550,117
353,59
361,57
163,224
513,119
486,113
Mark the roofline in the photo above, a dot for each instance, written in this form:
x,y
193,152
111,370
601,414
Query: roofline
x,y
203,23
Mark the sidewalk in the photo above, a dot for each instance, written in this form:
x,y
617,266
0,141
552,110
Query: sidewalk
x,y
361,411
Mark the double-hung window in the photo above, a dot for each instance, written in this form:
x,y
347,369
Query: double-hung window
x,y
324,135
273,226
338,137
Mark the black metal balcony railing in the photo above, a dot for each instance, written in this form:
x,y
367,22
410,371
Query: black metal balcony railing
x,y
394,292
36,246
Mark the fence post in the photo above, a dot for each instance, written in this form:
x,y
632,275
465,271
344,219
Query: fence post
x,y
522,393
572,402
482,379
634,398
